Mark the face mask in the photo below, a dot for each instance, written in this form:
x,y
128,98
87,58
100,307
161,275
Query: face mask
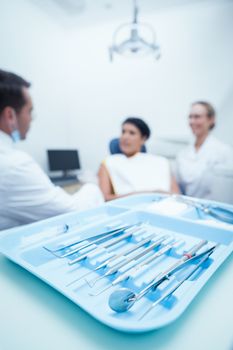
x,y
15,135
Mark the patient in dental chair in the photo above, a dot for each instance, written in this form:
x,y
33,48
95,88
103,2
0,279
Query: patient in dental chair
x,y
132,171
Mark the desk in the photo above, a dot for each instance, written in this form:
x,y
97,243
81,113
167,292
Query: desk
x,y
36,317
69,186
72,188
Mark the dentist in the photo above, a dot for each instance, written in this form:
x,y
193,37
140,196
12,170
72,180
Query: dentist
x,y
26,192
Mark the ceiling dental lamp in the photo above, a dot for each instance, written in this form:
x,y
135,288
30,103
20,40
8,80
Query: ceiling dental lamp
x,y
134,39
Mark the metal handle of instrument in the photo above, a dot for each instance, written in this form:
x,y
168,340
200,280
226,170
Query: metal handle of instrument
x,y
114,257
124,276
96,238
220,214
106,237
107,244
158,279
136,256
215,211
177,285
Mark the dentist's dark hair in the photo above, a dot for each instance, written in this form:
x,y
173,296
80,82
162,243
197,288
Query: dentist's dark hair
x,y
11,91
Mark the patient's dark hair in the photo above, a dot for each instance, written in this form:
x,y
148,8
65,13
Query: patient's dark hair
x,y
140,124
209,109
11,93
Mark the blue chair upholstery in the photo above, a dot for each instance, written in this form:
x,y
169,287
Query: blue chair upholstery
x,y
114,147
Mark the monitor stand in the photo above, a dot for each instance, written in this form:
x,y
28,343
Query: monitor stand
x,y
65,178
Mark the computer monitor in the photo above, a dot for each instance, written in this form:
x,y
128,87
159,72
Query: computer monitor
x,y
63,160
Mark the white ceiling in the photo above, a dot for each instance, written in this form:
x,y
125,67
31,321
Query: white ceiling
x,y
94,11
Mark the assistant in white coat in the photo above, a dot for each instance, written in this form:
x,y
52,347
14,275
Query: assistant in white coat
x,y
196,164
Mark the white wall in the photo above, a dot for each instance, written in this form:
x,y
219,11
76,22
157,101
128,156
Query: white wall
x,y
81,98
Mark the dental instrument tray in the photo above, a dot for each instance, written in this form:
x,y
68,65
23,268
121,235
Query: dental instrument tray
x,y
128,263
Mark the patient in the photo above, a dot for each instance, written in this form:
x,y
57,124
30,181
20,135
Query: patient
x,y
132,171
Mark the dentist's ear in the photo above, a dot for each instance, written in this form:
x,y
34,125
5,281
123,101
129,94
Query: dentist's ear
x,y
15,134
10,118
